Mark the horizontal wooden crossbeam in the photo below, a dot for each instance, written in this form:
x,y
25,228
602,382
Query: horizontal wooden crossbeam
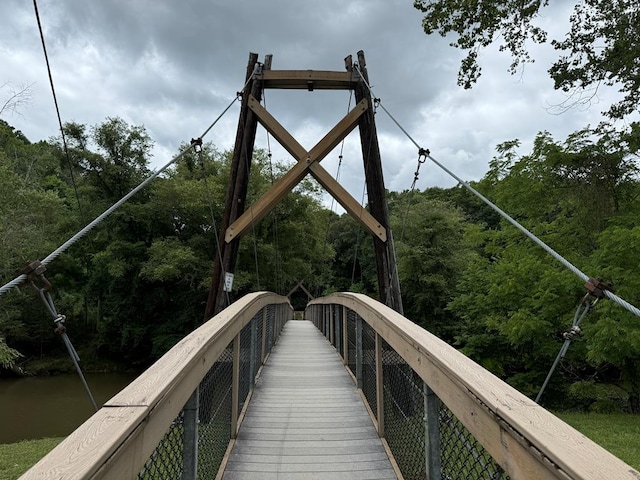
x,y
308,79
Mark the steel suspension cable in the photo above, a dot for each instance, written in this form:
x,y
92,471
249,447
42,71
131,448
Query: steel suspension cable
x,y
65,246
55,102
274,213
610,295
209,198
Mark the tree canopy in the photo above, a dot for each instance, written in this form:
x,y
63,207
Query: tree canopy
x,y
138,283
601,47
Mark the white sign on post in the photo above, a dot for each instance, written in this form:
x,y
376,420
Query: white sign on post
x,y
228,281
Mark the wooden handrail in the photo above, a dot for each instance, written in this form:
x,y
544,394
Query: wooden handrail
x,y
526,440
118,439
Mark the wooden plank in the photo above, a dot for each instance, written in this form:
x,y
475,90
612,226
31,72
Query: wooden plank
x,y
524,438
117,440
285,184
284,138
295,426
308,79
85,450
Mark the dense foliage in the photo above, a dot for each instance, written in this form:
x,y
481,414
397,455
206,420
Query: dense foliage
x,y
602,46
138,282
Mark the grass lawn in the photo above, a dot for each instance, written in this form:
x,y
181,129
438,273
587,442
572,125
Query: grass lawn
x,y
618,433
17,458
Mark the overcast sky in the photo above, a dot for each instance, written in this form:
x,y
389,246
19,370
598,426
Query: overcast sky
x,y
173,66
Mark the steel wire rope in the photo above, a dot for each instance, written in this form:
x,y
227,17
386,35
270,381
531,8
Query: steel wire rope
x,y
364,189
209,199
337,177
355,251
55,102
581,312
607,293
257,69
394,271
274,213
70,242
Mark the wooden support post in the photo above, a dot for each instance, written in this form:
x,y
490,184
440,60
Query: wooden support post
x,y
388,283
235,386
379,386
237,188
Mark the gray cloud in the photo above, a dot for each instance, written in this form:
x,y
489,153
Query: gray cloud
x,y
173,66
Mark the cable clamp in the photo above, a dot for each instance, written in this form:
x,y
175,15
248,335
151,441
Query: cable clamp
x,y
575,331
196,143
59,321
35,272
423,153
597,287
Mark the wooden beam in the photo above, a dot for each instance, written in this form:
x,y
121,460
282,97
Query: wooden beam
x,y
311,297
265,204
388,282
284,185
339,132
308,79
349,203
524,438
280,133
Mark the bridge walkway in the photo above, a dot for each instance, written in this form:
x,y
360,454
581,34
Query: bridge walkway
x,y
306,419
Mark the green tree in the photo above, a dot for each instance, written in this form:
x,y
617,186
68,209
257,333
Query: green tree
x,y
579,196
602,46
431,256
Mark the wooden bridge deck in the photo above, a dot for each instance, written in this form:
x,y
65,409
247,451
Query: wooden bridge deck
x,y
306,419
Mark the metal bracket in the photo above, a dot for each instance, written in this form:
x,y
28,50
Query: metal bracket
x,y
597,287
35,272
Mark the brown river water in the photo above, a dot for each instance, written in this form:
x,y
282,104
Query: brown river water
x,y
38,407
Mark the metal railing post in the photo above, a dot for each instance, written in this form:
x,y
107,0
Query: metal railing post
x,y
235,386
327,316
331,325
432,433
345,337
253,350
190,437
337,330
359,351
265,318
379,386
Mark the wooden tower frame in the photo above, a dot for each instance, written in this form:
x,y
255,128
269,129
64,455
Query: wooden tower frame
x,y
238,219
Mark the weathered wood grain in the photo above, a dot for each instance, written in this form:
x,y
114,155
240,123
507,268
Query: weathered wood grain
x,y
117,440
525,439
306,418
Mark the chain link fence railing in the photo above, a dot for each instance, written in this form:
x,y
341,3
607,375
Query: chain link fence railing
x,y
425,437
199,445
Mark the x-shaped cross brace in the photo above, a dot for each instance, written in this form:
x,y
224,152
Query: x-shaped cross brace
x,y
308,162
